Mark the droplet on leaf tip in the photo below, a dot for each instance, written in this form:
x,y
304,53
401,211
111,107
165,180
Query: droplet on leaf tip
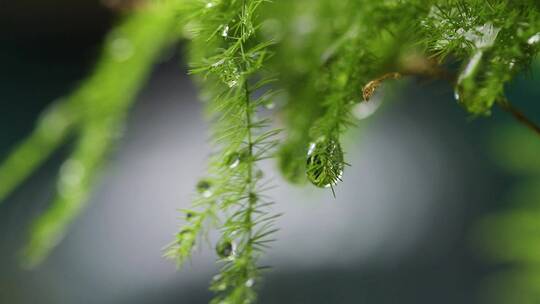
x,y
225,248
121,49
325,163
204,187
250,283
534,39
253,198
225,32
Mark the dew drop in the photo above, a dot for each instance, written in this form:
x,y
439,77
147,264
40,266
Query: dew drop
x,y
363,110
71,175
534,39
228,71
483,36
218,63
311,148
218,283
225,32
225,248
253,198
233,160
121,49
232,83
220,287
512,64
204,187
472,66
250,283
53,121
269,105
456,95
186,236
234,163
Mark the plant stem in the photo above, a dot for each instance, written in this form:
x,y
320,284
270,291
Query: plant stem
x,y
518,115
436,72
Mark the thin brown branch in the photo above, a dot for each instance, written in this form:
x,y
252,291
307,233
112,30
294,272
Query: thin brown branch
x,y
372,86
433,71
518,115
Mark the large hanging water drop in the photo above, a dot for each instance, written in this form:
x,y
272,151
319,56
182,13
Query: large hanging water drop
x,y
478,85
325,164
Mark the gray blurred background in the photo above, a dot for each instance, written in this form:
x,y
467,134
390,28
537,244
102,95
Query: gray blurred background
x,y
396,233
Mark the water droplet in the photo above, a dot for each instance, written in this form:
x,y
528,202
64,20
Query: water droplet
x,y
363,110
253,198
512,64
270,105
225,32
186,236
534,39
483,36
121,49
71,175
250,283
53,121
233,160
228,71
209,5
225,248
186,231
456,95
311,148
469,90
218,63
325,164
204,187
232,83
471,66
218,284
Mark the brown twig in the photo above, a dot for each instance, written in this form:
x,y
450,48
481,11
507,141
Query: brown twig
x,y
372,86
433,71
518,115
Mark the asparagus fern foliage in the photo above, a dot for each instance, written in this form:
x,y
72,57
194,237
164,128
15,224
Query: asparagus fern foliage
x,y
236,88
316,60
